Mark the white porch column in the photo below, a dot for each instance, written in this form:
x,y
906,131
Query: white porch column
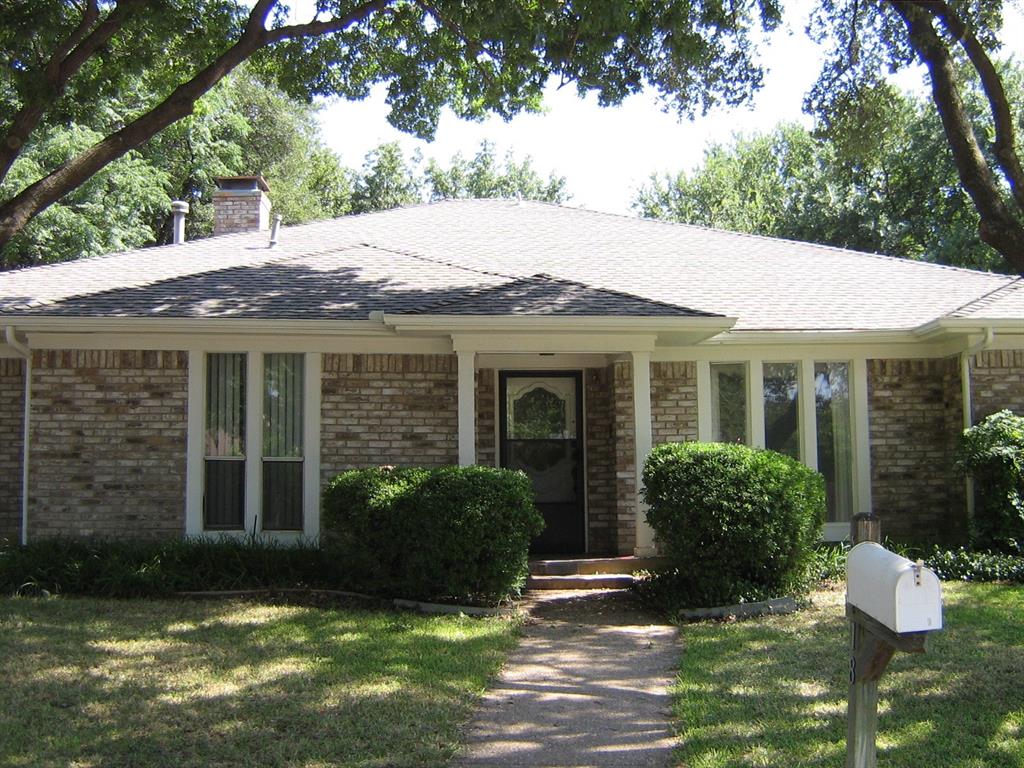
x,y
643,441
467,408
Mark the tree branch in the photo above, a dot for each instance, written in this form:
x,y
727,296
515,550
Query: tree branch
x,y
67,59
19,210
999,227
1003,147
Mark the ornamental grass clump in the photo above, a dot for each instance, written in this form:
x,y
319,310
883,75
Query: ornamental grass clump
x,y
735,524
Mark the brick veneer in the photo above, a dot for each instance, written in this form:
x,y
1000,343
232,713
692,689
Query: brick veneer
x,y
915,415
12,390
240,211
486,414
997,382
673,402
602,523
108,436
625,456
388,409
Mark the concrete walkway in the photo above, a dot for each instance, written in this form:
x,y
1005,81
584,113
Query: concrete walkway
x,y
587,686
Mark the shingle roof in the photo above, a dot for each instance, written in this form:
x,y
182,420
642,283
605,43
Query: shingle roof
x,y
408,258
1004,303
546,295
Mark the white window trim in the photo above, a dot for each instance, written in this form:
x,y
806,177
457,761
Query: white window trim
x,y
253,448
837,531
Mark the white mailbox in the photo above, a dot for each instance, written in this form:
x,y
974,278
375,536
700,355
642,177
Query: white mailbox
x,y
895,591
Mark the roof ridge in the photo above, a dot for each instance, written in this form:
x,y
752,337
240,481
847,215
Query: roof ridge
x,y
754,235
986,297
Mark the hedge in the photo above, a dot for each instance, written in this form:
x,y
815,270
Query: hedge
x,y
736,524
108,568
455,534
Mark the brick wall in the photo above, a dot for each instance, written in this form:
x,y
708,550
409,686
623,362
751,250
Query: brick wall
x,y
388,409
997,382
108,437
486,415
625,456
240,211
12,389
602,525
673,402
915,415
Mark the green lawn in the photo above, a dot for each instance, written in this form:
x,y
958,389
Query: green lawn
x,y
772,691
87,682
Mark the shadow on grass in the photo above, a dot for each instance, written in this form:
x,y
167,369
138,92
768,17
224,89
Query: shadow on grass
x,y
772,691
146,683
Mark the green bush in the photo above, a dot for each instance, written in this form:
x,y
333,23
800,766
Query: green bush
x,y
965,565
736,524
452,534
992,452
107,568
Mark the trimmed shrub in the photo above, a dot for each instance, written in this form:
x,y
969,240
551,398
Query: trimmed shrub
x,y
107,568
992,452
451,534
736,524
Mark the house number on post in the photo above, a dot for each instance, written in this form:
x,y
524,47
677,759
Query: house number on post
x,y
893,604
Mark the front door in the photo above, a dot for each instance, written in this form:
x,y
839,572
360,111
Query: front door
x,y
541,425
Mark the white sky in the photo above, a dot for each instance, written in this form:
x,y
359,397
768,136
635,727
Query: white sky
x,y
607,153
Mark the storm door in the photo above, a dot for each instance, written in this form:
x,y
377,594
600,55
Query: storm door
x,y
542,434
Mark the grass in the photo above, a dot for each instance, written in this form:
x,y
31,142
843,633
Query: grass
x,y
772,691
89,682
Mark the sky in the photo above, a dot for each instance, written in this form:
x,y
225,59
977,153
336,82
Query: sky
x,y
607,153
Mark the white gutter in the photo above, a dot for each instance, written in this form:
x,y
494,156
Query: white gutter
x,y
12,341
966,396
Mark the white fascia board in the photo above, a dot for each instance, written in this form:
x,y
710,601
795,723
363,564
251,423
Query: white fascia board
x,y
212,325
969,325
790,337
513,323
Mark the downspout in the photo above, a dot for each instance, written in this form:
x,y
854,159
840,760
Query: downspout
x,y
26,354
966,396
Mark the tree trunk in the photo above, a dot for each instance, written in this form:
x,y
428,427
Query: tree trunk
x,y
1001,226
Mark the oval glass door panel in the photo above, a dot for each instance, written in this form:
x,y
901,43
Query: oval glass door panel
x,y
541,436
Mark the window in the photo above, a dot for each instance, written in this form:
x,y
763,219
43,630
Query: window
x,y
782,408
835,437
729,402
224,442
282,441
254,469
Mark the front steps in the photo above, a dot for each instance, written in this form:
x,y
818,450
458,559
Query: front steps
x,y
586,573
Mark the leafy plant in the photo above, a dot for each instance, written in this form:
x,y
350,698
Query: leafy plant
x,y
992,453
455,533
735,523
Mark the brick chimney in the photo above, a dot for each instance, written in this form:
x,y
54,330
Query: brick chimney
x,y
240,204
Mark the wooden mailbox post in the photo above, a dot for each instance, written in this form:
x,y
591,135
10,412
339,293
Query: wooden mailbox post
x,y
893,605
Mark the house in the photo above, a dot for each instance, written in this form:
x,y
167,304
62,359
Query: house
x,y
213,386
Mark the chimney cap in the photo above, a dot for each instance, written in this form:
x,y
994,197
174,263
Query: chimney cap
x,y
242,183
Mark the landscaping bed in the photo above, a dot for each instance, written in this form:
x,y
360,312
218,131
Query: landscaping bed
x,y
198,683
772,691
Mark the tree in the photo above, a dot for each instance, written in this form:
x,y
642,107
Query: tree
x,y
241,126
484,176
476,56
387,180
870,37
897,193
